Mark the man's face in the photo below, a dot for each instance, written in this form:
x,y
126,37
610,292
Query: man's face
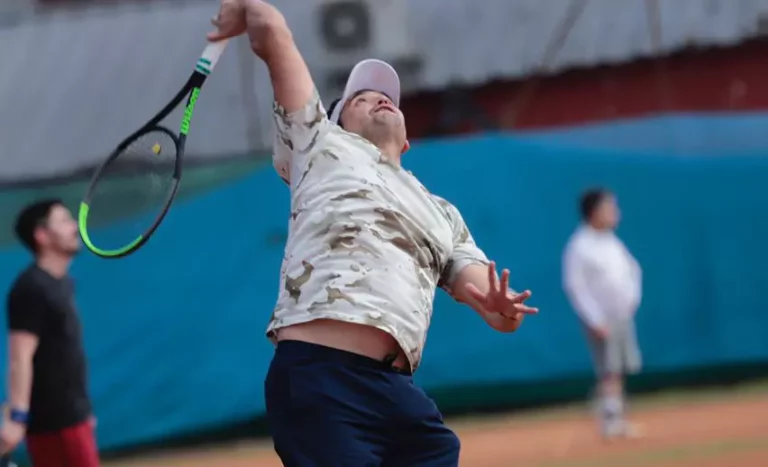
x,y
608,213
59,234
373,116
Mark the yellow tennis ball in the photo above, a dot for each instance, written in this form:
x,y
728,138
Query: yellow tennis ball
x,y
156,149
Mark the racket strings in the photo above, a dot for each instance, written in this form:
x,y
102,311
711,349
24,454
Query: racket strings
x,y
133,190
151,153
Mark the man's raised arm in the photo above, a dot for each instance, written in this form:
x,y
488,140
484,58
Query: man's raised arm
x,y
272,41
300,120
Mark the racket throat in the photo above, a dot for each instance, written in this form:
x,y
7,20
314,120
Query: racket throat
x,y
188,111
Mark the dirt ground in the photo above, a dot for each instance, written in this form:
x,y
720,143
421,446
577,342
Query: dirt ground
x,y
730,432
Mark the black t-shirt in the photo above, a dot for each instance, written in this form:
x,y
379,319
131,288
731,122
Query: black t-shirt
x,y
44,305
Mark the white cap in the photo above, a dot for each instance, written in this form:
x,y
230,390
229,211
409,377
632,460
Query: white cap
x,y
369,75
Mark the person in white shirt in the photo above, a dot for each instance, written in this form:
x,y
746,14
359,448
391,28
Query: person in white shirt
x,y
603,282
367,246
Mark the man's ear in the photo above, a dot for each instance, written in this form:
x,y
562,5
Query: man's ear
x,y
406,147
40,236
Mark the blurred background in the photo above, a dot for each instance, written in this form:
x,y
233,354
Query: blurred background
x,y
514,107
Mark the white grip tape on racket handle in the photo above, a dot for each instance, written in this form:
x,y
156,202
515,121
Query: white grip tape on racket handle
x,y
212,53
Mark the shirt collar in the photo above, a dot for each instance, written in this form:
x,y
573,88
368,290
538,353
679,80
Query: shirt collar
x,y
593,232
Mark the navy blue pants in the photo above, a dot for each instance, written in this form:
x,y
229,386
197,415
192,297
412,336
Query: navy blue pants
x,y
330,408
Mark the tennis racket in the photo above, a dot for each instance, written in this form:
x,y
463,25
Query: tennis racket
x,y
132,190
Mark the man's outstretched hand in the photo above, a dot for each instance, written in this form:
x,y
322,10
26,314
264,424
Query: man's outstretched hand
x,y
500,298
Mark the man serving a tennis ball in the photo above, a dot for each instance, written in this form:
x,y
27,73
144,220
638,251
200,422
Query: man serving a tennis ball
x,y
367,246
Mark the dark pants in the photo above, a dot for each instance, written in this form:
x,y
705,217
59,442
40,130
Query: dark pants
x,y
330,408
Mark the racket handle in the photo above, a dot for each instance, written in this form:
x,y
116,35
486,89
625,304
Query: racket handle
x,y
211,54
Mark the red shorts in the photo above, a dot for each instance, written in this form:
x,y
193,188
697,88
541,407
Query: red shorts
x,y
74,446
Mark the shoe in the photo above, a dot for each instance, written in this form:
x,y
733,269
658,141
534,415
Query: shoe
x,y
612,432
632,430
622,430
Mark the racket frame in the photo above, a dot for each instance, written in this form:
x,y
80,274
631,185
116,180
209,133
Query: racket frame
x,y
190,91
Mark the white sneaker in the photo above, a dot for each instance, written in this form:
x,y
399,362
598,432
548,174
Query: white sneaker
x,y
612,431
623,430
633,430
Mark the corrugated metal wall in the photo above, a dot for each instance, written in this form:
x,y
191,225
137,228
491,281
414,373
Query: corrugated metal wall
x,y
73,84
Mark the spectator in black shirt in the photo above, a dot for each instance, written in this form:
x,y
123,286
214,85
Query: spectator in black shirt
x,y
48,399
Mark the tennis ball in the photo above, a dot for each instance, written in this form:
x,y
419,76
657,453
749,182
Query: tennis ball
x,y
156,149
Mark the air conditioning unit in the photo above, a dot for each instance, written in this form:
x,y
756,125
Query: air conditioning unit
x,y
352,30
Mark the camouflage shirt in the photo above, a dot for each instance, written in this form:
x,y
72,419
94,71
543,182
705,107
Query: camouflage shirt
x,y
367,243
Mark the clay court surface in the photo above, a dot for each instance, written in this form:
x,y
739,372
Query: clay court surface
x,y
722,431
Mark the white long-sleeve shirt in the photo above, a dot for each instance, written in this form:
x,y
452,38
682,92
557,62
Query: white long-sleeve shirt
x,y
601,278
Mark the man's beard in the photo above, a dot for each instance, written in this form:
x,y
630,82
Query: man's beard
x,y
67,251
381,133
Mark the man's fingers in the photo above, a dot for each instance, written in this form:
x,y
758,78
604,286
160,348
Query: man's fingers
x,y
528,310
215,35
518,311
518,297
229,22
493,277
517,306
516,315
504,285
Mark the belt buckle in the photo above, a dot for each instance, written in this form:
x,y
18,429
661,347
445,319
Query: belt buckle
x,y
390,360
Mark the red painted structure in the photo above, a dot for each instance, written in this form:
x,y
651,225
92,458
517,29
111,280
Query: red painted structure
x,y
726,79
